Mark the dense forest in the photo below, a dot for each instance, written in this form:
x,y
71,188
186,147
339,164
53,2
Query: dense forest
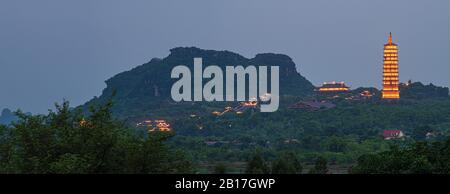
x,y
345,139
341,135
66,142
418,158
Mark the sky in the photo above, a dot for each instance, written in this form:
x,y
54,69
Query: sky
x,y
52,50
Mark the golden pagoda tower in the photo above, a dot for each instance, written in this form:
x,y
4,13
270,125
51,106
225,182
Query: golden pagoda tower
x,y
390,71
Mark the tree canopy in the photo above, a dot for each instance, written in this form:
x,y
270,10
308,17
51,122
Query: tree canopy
x,y
65,141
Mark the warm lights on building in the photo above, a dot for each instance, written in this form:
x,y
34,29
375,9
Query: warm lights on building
x,y
155,125
252,103
242,107
162,125
333,87
217,113
390,71
84,123
366,94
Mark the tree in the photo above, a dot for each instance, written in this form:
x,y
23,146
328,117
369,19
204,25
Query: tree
x,y
320,167
418,158
336,144
420,132
6,148
286,163
66,141
257,165
220,168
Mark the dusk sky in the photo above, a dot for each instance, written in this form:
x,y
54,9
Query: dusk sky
x,y
55,49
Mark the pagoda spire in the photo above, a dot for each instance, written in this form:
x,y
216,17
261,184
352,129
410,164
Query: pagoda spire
x,y
390,38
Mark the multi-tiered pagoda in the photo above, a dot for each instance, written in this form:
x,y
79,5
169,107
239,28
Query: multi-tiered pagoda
x,y
390,71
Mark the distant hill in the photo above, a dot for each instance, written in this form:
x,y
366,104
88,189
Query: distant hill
x,y
146,88
419,91
7,116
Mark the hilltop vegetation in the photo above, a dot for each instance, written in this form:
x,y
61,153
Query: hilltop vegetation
x,y
341,134
419,91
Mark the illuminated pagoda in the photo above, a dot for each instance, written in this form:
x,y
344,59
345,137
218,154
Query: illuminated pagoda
x,y
332,87
390,71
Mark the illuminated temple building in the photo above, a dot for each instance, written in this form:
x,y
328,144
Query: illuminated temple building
x,y
155,125
333,87
390,71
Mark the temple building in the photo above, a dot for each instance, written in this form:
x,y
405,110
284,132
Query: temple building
x,y
393,134
366,94
390,71
155,125
333,87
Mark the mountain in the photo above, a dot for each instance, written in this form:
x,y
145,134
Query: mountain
x,y
146,88
7,117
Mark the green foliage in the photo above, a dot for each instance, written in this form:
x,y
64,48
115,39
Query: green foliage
x,y
220,168
419,158
419,91
257,165
64,142
341,134
419,132
320,167
287,163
